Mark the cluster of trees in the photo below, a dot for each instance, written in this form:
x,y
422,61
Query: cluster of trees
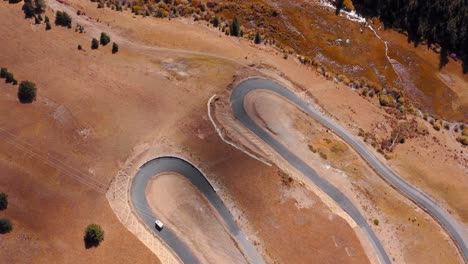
x,y
9,77
104,40
63,19
5,224
32,8
27,90
442,22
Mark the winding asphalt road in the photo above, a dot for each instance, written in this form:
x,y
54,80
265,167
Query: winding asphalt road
x,y
442,216
176,165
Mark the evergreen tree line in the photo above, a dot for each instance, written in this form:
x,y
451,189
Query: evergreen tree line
x,y
444,22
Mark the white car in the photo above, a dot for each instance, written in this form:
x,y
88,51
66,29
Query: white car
x,y
158,224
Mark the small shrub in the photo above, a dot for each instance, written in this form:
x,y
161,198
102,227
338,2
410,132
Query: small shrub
x,y
46,19
234,28
311,148
257,39
9,78
5,226
79,47
94,43
105,39
93,235
48,26
3,72
3,201
115,48
436,126
15,82
426,116
376,222
323,155
215,21
27,92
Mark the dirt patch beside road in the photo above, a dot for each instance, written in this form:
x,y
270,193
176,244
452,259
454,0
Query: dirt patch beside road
x,y
186,211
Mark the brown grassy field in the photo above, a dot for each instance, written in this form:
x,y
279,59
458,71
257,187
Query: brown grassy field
x,y
93,108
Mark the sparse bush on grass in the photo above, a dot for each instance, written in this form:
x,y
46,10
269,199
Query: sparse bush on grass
x,y
79,28
115,48
320,70
94,43
285,178
311,148
323,155
27,92
365,91
5,226
3,201
426,116
105,39
463,140
465,130
336,149
387,100
93,235
63,19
